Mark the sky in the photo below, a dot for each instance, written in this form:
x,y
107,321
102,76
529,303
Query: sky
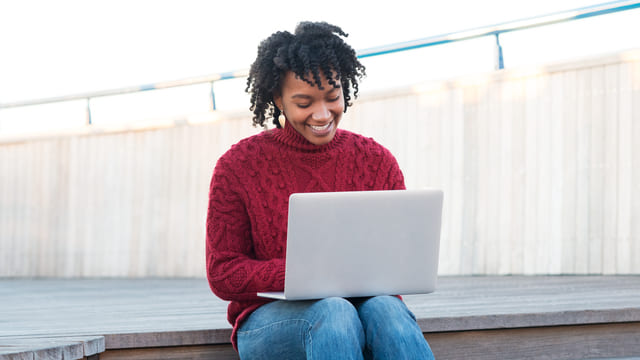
x,y
54,48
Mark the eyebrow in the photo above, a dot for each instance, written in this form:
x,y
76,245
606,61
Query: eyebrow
x,y
300,96
305,96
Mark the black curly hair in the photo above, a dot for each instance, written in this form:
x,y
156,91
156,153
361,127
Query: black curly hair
x,y
315,47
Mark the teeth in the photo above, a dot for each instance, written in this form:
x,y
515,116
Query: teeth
x,y
320,128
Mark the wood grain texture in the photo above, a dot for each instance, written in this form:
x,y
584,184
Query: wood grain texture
x,y
46,348
513,316
552,343
539,167
178,312
203,352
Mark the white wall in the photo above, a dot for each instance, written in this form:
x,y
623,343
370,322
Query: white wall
x,y
539,167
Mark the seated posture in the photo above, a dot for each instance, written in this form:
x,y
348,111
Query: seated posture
x,y
304,83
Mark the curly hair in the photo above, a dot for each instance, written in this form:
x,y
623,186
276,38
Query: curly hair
x,y
315,48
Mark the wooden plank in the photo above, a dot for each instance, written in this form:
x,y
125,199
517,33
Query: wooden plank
x,y
583,150
202,352
505,141
635,166
470,126
556,100
518,166
596,173
70,234
530,228
12,348
543,178
610,120
455,183
566,342
494,185
6,217
562,342
410,125
570,170
624,167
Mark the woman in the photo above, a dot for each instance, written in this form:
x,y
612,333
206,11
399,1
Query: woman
x,y
303,81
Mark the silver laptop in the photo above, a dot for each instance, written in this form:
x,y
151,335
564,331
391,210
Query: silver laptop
x,y
363,243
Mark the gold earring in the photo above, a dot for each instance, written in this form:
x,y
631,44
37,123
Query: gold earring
x,y
281,119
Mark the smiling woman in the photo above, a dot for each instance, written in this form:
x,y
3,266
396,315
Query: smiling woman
x,y
309,77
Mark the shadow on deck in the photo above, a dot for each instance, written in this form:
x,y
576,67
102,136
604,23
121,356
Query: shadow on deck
x,y
501,317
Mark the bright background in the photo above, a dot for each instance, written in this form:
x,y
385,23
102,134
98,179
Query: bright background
x,y
53,48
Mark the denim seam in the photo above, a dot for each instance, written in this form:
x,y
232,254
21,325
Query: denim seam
x,y
310,342
273,324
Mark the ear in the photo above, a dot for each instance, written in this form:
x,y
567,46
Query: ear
x,y
277,99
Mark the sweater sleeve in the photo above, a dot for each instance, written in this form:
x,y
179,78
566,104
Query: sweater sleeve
x,y
232,270
395,178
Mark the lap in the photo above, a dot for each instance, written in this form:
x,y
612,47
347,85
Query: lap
x,y
291,312
295,329
307,312
290,328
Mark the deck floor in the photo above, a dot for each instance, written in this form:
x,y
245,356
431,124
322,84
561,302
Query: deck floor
x,y
134,313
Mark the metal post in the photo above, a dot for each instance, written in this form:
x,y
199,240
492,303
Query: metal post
x,y
213,97
499,60
88,111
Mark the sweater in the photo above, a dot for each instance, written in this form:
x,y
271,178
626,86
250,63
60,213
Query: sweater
x,y
246,227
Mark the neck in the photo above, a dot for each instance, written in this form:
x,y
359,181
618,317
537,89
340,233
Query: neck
x,y
292,138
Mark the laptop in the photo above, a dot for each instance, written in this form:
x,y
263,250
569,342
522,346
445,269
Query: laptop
x,y
361,243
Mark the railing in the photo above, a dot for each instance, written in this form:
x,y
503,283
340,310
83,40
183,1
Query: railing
x,y
492,30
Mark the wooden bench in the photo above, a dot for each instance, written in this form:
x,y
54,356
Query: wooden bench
x,y
510,317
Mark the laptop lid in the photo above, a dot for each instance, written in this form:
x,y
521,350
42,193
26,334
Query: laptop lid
x,y
362,243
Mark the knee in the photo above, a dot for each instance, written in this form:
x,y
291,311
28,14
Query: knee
x,y
391,329
388,315
385,306
335,329
337,315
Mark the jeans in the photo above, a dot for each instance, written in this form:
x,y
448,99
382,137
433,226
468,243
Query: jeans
x,y
380,327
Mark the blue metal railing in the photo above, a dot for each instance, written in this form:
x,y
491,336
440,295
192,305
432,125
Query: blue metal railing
x,y
522,24
492,30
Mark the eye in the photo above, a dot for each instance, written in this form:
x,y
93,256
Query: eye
x,y
336,98
302,106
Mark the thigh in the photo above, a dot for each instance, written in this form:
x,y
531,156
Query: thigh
x,y
391,330
299,329
275,330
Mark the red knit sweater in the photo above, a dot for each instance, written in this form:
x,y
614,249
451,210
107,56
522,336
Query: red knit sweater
x,y
248,205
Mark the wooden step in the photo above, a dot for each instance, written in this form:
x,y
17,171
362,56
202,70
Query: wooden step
x,y
505,317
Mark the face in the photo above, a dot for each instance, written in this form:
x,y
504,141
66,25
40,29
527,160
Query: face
x,y
314,113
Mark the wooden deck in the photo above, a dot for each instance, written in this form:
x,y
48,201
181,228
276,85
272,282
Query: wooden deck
x,y
512,317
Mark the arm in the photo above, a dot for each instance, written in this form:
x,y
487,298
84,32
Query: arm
x,y
232,270
395,178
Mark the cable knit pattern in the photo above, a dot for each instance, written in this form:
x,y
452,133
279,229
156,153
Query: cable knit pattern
x,y
249,198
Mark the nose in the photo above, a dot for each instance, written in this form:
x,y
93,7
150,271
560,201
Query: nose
x,y
321,112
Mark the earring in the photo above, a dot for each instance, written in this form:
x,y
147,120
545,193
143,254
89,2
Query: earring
x,y
281,119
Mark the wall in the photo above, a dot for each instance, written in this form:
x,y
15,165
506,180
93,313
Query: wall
x,y
539,167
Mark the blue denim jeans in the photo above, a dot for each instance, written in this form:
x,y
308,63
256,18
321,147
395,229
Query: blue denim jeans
x,y
380,327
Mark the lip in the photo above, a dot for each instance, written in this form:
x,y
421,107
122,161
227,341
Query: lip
x,y
324,130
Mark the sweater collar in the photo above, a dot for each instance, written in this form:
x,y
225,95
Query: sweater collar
x,y
291,137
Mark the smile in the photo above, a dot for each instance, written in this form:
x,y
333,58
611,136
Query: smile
x,y
321,128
